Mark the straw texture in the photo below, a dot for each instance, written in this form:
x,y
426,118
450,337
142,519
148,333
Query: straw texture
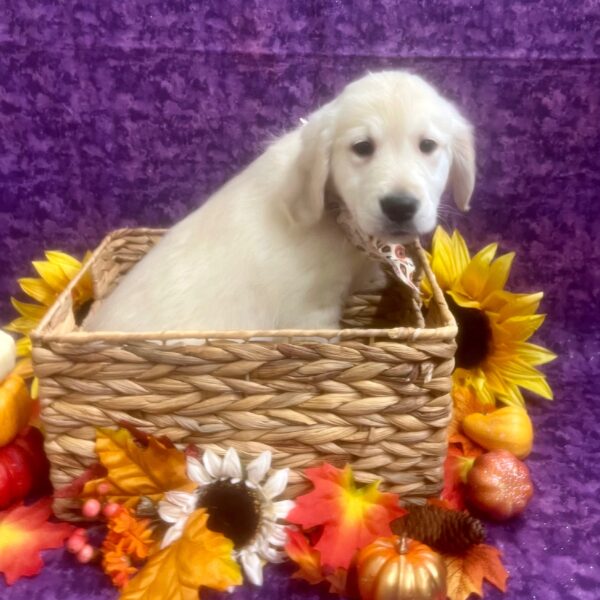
x,y
375,393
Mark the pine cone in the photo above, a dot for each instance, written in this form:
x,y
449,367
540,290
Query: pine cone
x,y
446,531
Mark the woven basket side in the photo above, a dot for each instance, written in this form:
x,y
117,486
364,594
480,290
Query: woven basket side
x,y
117,255
383,408
378,400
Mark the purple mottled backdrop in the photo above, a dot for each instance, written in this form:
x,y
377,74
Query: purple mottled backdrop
x,y
129,112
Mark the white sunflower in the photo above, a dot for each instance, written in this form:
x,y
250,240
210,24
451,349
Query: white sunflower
x,y
239,503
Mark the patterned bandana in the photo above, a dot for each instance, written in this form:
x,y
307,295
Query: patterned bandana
x,y
394,255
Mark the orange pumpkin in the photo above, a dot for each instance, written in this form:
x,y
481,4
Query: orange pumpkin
x,y
16,407
397,568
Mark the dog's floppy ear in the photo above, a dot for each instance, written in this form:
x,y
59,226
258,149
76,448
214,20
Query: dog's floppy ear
x,y
306,199
462,170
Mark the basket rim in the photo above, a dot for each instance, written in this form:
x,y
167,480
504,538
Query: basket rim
x,y
41,334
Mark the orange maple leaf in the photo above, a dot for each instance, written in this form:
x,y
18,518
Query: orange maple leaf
x,y
134,471
352,517
24,532
200,557
466,572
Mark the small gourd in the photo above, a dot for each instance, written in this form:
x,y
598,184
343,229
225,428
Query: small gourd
x,y
397,568
16,407
507,428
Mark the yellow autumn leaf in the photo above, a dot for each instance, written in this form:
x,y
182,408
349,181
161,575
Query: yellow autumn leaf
x,y
134,471
200,558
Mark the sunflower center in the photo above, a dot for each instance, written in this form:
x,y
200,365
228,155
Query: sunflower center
x,y
474,336
233,510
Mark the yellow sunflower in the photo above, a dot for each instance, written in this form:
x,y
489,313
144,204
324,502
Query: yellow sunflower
x,y
55,274
493,355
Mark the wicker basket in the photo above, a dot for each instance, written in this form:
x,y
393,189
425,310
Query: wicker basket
x,y
373,394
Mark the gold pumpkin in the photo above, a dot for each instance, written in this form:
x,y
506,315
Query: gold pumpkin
x,y
15,408
397,568
507,428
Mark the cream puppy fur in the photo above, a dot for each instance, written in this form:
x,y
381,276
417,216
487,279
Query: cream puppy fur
x,y
264,252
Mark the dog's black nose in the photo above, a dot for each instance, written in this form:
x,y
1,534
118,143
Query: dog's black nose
x,y
399,209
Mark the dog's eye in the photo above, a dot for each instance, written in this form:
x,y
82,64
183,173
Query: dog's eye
x,y
427,146
363,148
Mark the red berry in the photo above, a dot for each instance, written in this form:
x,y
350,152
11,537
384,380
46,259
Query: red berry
x,y
103,489
75,543
111,509
85,554
91,508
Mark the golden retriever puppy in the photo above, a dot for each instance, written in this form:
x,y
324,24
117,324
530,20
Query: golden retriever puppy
x,y
264,253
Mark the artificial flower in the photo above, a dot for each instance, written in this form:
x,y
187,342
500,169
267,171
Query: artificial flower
x,y
351,516
493,355
56,273
125,546
240,504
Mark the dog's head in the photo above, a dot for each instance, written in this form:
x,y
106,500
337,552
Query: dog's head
x,y
387,147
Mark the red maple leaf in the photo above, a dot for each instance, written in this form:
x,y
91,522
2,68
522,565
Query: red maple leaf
x,y
352,517
24,532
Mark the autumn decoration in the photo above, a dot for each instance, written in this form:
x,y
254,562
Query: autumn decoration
x,y
240,503
55,275
166,511
16,407
342,516
437,525
397,568
499,485
23,467
24,532
507,428
494,354
170,522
